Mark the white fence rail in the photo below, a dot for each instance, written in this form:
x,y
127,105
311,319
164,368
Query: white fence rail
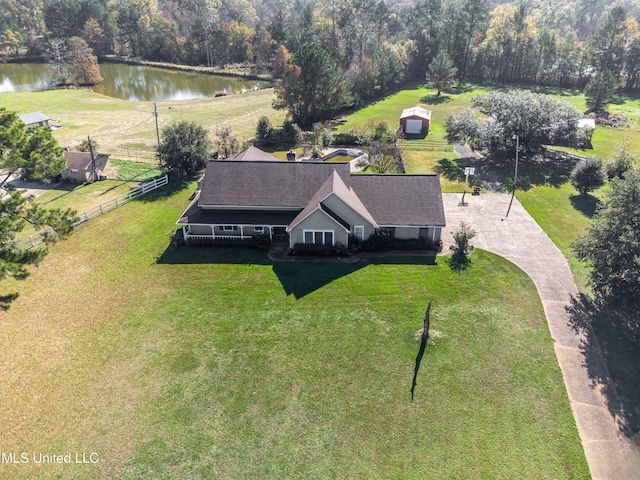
x,y
41,236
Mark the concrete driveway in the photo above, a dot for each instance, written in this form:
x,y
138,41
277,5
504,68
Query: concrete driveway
x,y
610,452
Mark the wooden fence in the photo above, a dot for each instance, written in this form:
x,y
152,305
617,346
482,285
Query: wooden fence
x,y
46,233
427,145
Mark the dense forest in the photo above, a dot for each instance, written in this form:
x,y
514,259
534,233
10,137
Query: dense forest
x,y
374,43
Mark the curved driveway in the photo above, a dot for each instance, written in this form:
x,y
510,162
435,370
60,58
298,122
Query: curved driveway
x,y
609,451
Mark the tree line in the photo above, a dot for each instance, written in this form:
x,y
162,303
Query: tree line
x,y
375,43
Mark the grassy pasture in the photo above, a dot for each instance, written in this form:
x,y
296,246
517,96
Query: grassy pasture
x,y
198,363
118,125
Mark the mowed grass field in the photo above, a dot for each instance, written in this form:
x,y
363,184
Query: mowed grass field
x,y
121,127
546,193
201,363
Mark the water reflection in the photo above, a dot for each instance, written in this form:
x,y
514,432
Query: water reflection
x,y
129,82
16,77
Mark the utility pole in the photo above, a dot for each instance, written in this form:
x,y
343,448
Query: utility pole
x,y
155,114
515,175
93,159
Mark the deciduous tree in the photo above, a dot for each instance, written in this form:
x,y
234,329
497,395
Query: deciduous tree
x,y
537,119
588,175
81,63
612,244
184,148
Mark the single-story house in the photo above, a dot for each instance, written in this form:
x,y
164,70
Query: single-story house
x,y
310,202
35,119
80,168
415,120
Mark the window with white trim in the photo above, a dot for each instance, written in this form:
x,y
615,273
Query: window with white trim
x,y
319,237
229,228
358,232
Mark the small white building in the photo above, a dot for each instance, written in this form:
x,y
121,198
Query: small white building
x,y
35,119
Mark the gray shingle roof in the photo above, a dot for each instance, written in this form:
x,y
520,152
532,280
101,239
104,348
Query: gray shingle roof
x,y
82,160
33,118
399,200
265,184
253,153
240,190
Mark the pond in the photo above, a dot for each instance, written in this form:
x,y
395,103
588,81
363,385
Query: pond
x,y
130,82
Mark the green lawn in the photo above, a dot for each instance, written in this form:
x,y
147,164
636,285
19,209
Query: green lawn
x,y
80,197
197,363
136,171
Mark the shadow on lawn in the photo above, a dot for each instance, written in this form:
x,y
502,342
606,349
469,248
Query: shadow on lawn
x,y
6,300
617,334
551,169
435,100
174,185
587,204
298,278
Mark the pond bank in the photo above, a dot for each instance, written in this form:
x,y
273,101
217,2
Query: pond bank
x,y
263,77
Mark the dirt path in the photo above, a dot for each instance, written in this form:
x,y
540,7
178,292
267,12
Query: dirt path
x,y
610,452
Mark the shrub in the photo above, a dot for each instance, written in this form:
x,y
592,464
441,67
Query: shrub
x,y
351,137
621,162
291,132
305,249
382,241
588,175
462,236
262,242
263,129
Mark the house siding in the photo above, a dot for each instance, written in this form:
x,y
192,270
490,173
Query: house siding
x,y
407,232
81,176
349,215
318,220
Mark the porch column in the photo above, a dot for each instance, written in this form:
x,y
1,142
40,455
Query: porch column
x,y
184,232
241,232
213,231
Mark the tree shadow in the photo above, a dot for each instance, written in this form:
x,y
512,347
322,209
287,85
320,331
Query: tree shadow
x,y
298,278
453,169
174,185
7,300
556,91
586,204
461,88
550,168
611,348
435,100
